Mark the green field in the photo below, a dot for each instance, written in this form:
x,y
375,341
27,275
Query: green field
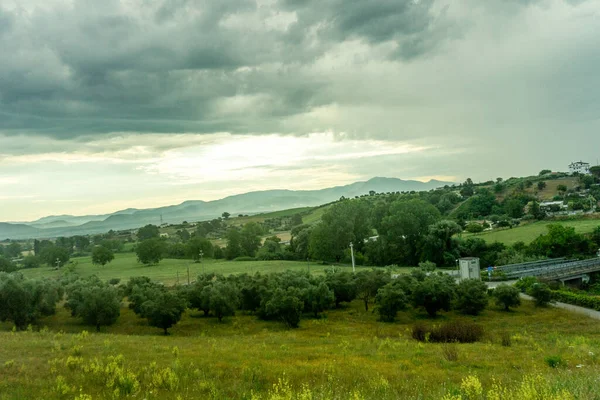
x,y
125,265
528,232
346,355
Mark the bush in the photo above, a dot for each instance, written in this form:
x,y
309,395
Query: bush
x,y
114,281
541,293
524,284
434,293
505,339
577,299
450,332
450,352
555,361
506,296
471,296
390,299
474,228
244,258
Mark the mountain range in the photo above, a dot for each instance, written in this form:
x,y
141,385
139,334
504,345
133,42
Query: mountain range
x,y
198,210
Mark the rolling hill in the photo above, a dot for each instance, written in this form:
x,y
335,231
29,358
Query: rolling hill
x,y
196,210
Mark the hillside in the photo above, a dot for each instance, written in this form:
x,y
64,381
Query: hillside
x,y
197,210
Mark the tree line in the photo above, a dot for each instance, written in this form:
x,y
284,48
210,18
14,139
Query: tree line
x,y
287,297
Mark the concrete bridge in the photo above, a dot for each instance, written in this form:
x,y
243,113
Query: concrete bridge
x,y
557,269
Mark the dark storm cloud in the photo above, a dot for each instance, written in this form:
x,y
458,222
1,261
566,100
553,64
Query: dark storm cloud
x,y
99,67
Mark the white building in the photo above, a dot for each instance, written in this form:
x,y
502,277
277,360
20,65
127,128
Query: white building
x,y
580,167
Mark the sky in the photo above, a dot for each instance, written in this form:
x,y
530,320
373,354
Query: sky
x,y
142,103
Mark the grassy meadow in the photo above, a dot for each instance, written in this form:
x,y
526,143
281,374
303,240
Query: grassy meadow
x,y
348,354
528,232
125,266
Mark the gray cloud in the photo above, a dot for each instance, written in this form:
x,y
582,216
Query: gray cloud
x,y
169,66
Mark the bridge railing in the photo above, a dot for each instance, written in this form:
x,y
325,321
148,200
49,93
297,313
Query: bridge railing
x,y
565,268
592,265
507,269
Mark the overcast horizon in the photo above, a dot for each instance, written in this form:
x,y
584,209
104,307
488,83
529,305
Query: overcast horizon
x,y
133,103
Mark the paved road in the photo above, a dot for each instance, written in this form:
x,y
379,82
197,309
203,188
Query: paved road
x,y
570,307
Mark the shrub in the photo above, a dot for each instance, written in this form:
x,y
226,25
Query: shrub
x,y
114,281
505,339
555,361
474,227
450,332
420,332
506,296
450,352
390,299
525,283
541,293
244,258
471,296
434,293
577,299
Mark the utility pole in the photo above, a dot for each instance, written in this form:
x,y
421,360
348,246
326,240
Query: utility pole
x,y
57,263
188,268
307,265
352,254
200,254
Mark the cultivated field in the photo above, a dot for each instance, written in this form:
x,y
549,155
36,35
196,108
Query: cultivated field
x,y
125,266
528,232
346,355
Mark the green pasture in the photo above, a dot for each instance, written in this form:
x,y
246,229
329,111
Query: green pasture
x,y
347,354
171,271
529,232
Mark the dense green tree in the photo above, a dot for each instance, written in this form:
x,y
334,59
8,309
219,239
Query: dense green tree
x,y
595,170
99,305
343,286
471,296
535,211
150,251
148,232
474,227
55,256
296,220
439,245
318,298
250,238
507,296
368,283
404,228
390,299
164,310
234,244
560,241
197,245
82,243
270,250
223,298
13,250
31,261
541,293
587,181
102,255
286,305
514,208
7,265
544,172
226,215
434,293
541,185
17,301
343,223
